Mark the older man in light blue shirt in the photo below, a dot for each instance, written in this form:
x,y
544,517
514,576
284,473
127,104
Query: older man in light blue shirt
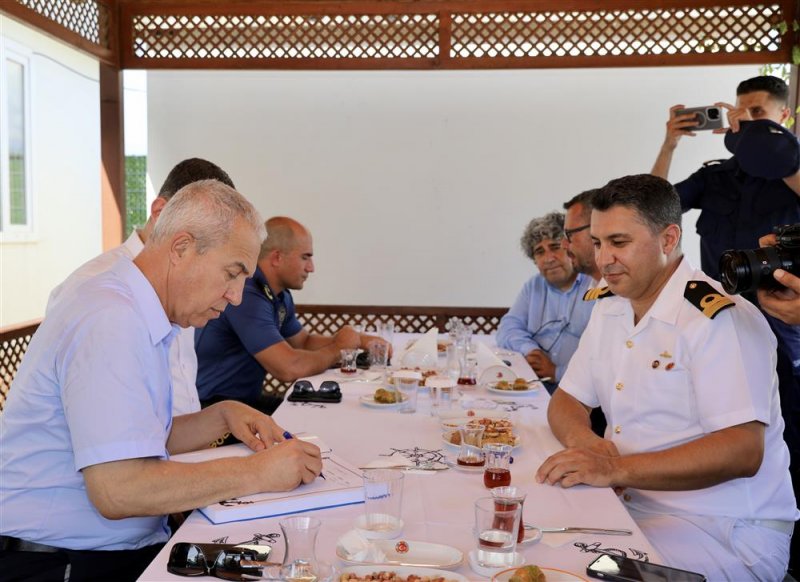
x,y
88,429
547,319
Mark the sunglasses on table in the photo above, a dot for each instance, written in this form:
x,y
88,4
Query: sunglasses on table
x,y
304,391
226,561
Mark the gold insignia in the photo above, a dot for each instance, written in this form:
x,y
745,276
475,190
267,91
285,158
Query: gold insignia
x,y
268,293
665,354
597,293
707,299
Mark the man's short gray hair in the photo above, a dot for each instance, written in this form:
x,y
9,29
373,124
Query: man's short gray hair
x,y
207,210
548,226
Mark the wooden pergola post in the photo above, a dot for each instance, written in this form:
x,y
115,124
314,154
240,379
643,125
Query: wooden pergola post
x,y
112,155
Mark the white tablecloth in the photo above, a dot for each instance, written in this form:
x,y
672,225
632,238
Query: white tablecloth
x,y
437,506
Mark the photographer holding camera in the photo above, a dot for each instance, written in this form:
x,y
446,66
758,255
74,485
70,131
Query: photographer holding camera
x,y
742,199
784,302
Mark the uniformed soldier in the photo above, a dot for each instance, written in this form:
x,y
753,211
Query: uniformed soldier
x,y
685,375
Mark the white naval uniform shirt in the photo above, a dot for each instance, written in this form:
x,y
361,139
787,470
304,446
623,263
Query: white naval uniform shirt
x,y
182,357
678,375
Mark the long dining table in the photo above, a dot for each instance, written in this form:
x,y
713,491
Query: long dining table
x,y
437,505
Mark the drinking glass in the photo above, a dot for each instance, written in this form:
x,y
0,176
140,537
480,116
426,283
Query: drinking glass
x,y
378,354
347,360
496,533
471,452
383,502
407,384
300,562
498,458
508,498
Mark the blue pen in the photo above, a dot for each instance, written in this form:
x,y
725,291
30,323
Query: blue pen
x,y
288,436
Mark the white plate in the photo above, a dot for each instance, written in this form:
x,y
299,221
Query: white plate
x,y
419,554
552,575
533,388
368,400
456,447
496,373
405,571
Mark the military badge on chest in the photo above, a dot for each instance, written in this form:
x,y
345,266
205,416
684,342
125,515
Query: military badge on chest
x,y
281,315
663,361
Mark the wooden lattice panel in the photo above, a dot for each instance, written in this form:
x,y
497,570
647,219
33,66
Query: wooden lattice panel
x,y
452,34
242,36
614,33
11,352
88,19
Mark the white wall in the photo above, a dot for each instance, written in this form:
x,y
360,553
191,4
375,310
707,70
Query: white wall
x,y
65,157
417,185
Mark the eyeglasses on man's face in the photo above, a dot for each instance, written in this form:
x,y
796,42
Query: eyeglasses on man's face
x,y
570,231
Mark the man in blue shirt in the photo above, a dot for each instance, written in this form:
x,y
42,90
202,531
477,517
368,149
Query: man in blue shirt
x,y
549,315
263,334
87,431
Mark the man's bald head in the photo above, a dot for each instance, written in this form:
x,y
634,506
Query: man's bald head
x,y
282,235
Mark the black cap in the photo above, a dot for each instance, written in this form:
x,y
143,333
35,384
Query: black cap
x,y
764,149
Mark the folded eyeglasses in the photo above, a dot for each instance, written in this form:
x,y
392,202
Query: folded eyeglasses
x,y
304,391
226,561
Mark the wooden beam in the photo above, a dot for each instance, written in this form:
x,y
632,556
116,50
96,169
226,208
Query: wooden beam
x,y
112,156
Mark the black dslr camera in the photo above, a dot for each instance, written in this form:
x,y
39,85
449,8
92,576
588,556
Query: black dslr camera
x,y
743,271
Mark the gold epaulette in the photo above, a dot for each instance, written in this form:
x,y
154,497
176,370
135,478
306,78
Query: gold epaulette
x,y
597,293
707,299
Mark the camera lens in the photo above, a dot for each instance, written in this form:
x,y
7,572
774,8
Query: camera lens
x,y
713,113
700,118
743,271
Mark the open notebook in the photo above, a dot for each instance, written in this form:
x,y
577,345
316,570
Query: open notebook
x,y
342,485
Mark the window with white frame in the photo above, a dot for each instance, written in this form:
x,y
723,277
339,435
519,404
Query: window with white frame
x,y
15,159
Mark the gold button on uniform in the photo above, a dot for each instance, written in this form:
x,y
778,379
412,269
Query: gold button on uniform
x,y
619,386
629,344
617,429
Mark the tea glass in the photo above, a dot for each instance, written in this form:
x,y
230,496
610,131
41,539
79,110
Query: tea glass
x,y
471,452
347,359
498,459
508,498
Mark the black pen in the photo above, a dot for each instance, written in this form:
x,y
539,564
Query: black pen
x,y
288,436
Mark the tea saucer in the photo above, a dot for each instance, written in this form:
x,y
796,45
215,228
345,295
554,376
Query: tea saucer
x,y
516,560
338,372
463,468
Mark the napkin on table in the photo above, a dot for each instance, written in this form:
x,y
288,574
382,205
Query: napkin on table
x,y
424,349
357,548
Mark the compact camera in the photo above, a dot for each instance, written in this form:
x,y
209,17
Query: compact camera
x,y
743,271
707,117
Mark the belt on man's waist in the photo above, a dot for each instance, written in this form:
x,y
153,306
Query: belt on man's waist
x,y
12,544
780,525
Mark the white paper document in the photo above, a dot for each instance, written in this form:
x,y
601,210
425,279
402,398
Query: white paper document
x,y
342,485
